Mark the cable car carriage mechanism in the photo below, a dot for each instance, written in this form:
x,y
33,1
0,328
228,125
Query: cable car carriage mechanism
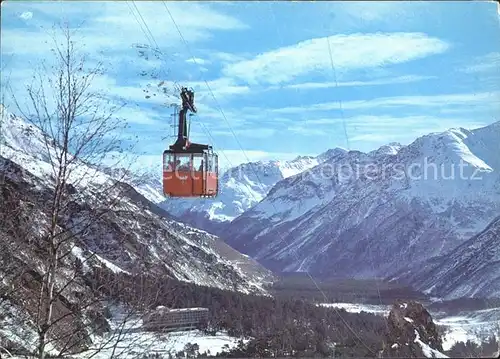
x,y
189,169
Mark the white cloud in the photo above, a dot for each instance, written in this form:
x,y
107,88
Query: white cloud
x,y
371,137
383,15
316,127
379,11
226,57
104,84
426,101
399,101
486,63
118,24
109,31
385,122
323,121
331,84
158,17
26,15
220,87
140,116
368,127
402,124
307,131
371,11
349,52
212,117
224,87
197,61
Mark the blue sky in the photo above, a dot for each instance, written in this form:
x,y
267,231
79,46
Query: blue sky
x,y
400,69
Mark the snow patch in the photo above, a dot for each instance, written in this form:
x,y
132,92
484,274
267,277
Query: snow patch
x,y
428,351
111,266
358,308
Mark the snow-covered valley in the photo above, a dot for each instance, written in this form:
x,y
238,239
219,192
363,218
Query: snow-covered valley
x,y
476,326
127,339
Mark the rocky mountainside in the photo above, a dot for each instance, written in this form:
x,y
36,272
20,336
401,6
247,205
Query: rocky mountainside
x,y
24,162
411,333
116,229
371,214
470,269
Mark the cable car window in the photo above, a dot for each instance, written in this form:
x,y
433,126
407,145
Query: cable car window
x,y
198,162
209,163
183,162
168,162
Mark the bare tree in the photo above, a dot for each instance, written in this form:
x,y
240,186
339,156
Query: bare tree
x,y
79,134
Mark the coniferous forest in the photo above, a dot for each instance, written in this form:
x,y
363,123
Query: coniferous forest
x,y
282,325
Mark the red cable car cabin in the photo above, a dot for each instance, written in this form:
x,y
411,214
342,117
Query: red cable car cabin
x,y
190,174
189,169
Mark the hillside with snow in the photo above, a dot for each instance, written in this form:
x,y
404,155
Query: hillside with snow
x,y
110,227
470,269
24,160
367,215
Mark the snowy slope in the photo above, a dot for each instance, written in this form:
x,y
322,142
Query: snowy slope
x,y
167,246
471,269
113,228
428,351
145,180
164,344
370,214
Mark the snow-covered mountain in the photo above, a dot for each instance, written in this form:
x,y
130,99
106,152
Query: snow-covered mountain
x,y
145,180
106,228
371,214
241,187
471,269
153,239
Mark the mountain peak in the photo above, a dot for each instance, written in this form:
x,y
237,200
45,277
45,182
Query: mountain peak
x,y
331,153
477,148
391,148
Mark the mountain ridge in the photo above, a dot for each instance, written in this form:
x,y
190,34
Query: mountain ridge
x,y
22,147
467,270
241,187
334,223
